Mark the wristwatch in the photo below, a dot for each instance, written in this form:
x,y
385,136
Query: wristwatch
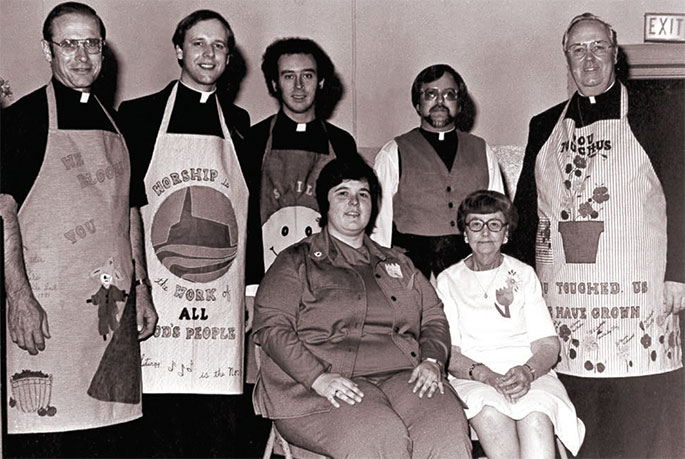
x,y
473,367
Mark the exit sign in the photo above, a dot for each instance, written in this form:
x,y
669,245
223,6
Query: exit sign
x,y
664,27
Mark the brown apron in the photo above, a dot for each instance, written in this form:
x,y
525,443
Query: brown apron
x,y
601,250
289,211
195,229
75,229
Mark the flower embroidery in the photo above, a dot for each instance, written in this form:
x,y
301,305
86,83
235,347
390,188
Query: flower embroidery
x,y
505,295
582,151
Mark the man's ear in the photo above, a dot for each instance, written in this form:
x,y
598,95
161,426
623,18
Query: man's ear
x,y
179,53
274,86
47,51
321,83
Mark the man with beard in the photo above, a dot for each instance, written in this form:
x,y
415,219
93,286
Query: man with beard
x,y
426,172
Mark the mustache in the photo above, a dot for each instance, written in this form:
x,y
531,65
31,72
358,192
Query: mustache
x,y
439,107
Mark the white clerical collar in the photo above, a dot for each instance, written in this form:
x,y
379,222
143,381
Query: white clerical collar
x,y
441,134
593,99
85,96
204,95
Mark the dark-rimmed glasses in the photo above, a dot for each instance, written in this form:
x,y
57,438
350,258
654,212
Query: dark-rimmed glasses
x,y
495,225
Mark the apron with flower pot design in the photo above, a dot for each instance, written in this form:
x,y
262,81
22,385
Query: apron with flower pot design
x,y
601,250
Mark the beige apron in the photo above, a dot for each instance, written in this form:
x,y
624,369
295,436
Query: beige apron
x,y
75,229
601,250
289,211
195,230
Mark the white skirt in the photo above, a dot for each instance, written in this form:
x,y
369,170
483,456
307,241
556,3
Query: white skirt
x,y
546,395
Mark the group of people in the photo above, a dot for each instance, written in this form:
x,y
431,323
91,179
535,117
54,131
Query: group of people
x,y
387,317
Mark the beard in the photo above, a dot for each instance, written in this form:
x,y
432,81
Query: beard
x,y
439,117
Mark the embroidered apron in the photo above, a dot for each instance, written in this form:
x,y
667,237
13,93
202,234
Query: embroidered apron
x,y
289,211
601,250
195,229
75,229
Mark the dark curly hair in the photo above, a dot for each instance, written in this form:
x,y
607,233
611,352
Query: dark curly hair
x,y
487,202
336,172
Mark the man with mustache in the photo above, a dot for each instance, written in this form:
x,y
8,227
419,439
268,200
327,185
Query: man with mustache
x,y
73,240
426,172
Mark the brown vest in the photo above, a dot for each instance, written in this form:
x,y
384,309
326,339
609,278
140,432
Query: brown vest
x,y
428,194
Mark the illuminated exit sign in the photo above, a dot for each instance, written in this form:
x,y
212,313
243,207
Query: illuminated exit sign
x,y
664,27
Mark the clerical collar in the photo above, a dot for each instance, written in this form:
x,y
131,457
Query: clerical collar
x,y
440,136
204,95
593,99
293,125
82,97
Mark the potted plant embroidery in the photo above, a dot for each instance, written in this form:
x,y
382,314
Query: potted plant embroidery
x,y
580,230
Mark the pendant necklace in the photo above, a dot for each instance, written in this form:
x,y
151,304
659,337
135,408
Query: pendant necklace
x,y
485,291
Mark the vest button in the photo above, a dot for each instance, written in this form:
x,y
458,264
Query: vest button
x,y
378,276
452,223
393,298
450,205
449,189
413,354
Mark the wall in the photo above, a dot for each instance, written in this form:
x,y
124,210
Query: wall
x,y
509,52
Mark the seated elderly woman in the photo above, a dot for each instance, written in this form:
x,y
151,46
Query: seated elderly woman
x,y
354,338
503,341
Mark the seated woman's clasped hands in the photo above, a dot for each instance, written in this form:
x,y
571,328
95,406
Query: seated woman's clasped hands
x,y
504,344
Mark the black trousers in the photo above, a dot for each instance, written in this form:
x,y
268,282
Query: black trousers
x,y
432,254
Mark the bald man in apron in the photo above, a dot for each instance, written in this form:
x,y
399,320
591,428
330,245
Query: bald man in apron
x,y
77,306
596,198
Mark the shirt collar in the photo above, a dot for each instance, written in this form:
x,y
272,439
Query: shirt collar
x,y
203,95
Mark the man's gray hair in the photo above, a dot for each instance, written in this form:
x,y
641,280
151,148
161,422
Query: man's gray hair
x,y
589,17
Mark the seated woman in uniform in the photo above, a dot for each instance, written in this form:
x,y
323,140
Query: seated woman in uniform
x,y
354,338
504,344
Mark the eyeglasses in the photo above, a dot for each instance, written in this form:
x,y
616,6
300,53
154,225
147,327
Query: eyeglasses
x,y
433,93
600,48
70,46
495,225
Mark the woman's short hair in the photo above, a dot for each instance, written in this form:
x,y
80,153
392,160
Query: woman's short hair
x,y
487,202
340,170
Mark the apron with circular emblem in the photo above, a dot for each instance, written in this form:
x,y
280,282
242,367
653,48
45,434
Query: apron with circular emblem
x,y
601,250
195,230
77,251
